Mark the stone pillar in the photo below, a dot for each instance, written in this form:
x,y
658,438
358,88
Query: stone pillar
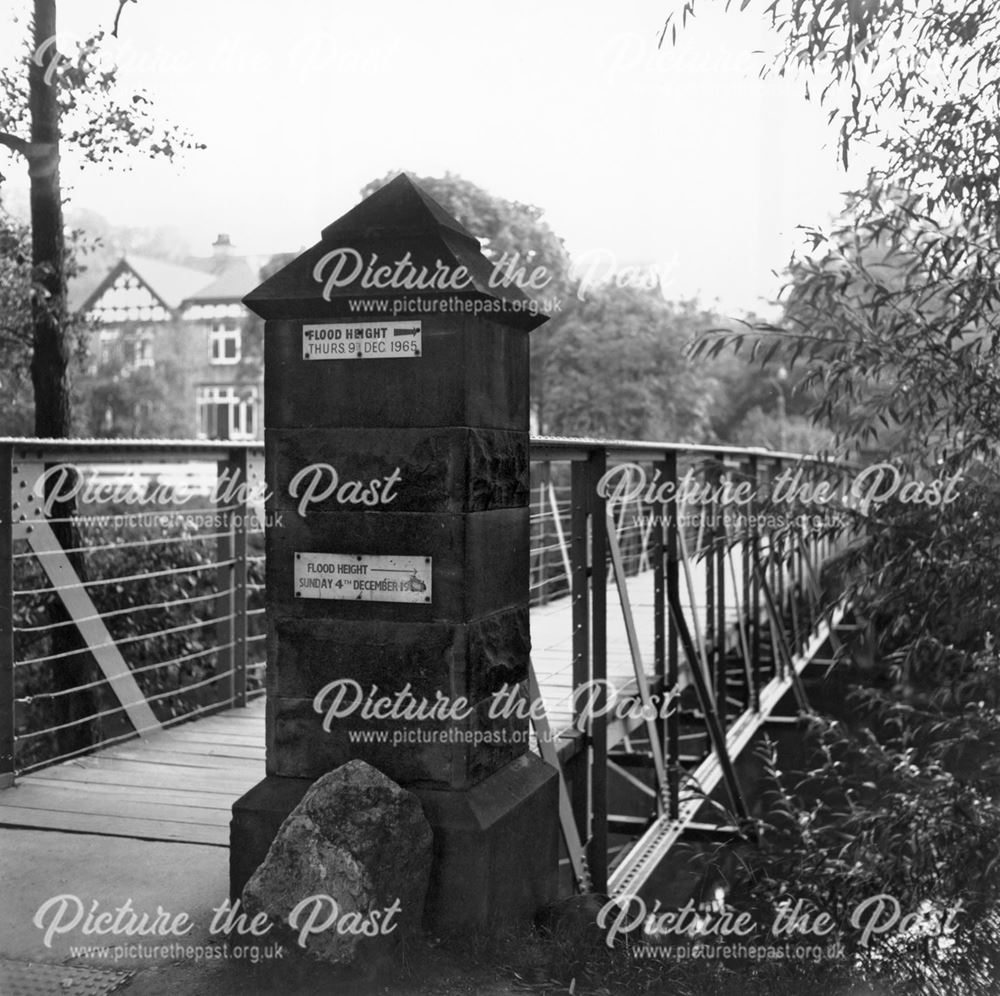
x,y
396,441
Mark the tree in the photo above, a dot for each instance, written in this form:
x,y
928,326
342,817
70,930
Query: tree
x,y
771,411
918,247
617,368
50,102
892,317
897,319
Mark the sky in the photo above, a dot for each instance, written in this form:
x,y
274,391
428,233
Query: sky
x,y
676,158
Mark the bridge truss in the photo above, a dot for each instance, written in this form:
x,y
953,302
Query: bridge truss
x,y
734,541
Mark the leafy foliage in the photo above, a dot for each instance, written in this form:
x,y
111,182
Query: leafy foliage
x,y
616,368
892,324
917,80
17,290
891,319
100,119
883,812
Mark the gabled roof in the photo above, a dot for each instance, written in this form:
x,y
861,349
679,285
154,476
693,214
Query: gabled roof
x,y
171,283
175,286
235,280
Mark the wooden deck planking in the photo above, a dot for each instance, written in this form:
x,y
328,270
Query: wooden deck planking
x,y
198,798
140,775
177,785
180,784
120,825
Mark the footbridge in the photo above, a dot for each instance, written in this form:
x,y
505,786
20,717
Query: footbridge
x,y
675,604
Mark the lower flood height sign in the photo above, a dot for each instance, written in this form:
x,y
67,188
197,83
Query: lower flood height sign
x,y
361,340
361,576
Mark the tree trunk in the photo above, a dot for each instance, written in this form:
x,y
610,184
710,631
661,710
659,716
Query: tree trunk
x,y
51,353
50,362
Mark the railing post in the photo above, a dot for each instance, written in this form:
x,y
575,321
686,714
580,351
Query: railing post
x,y
800,620
232,499
779,586
7,707
668,589
580,579
597,465
708,526
719,563
543,534
657,513
241,528
751,557
225,609
579,582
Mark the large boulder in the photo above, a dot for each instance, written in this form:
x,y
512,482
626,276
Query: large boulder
x,y
347,874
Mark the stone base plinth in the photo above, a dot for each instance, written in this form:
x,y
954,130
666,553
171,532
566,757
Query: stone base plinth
x,y
257,817
496,845
496,848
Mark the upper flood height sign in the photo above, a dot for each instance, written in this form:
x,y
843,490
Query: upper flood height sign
x,y
361,340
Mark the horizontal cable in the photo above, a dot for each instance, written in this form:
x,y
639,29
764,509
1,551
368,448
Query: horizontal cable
x,y
130,577
222,593
75,722
121,641
159,665
538,585
228,673
121,708
127,545
105,518
111,741
550,548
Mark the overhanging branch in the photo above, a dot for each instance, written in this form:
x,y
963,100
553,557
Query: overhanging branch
x,y
14,143
118,15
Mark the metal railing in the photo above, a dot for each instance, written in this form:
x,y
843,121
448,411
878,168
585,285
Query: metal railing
x,y
131,592
142,606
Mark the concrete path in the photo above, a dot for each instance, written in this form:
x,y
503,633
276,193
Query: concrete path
x,y
38,867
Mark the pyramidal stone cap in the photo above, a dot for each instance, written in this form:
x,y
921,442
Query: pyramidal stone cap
x,y
397,243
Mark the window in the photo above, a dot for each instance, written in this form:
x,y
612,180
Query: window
x,y
109,348
227,412
225,342
144,349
